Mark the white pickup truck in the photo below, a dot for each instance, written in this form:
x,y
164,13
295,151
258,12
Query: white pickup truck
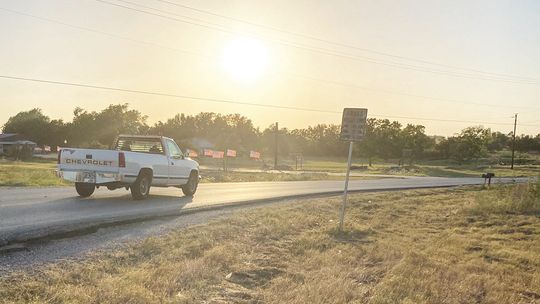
x,y
135,163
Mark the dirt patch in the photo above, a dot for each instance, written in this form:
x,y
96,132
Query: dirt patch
x,y
254,277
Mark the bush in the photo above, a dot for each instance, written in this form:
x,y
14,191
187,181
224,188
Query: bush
x,y
521,198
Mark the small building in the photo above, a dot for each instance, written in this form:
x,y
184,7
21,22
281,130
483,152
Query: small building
x,y
12,144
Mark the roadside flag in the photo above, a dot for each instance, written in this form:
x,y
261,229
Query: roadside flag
x,y
218,154
208,152
192,153
254,154
231,153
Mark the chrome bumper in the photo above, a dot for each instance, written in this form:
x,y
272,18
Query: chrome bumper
x,y
91,177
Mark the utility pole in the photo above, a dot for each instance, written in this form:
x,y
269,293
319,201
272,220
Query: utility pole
x,y
225,160
276,146
514,141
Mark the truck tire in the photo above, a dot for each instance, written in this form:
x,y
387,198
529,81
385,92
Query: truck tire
x,y
141,187
85,189
190,188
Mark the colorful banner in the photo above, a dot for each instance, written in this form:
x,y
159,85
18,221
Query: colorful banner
x,y
191,153
254,154
208,152
231,153
218,154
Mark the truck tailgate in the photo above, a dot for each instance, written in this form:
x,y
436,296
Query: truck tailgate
x,y
89,160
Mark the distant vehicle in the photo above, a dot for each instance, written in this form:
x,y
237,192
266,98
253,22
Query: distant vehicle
x,y
134,162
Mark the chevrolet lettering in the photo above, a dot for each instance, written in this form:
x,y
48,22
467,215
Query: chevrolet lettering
x,y
89,162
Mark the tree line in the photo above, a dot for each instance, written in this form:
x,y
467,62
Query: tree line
x,y
385,139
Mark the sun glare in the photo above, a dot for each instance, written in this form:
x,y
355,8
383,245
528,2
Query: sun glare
x,y
245,59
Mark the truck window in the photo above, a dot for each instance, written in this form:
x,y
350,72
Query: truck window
x,y
174,151
142,145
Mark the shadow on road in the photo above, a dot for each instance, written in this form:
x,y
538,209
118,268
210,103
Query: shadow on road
x,y
113,200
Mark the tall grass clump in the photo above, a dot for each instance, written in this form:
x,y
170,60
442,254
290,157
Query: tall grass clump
x,y
521,198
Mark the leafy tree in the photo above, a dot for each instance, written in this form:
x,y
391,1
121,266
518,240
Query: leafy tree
x,y
210,130
117,119
58,132
527,143
384,138
98,129
446,147
470,144
389,141
368,147
33,125
499,141
415,140
321,140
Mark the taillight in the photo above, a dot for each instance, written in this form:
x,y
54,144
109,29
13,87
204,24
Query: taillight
x,y
121,160
59,155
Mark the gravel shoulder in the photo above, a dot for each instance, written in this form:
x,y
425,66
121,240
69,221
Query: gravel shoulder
x,y
30,256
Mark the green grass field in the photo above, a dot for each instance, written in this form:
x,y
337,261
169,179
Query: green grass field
x,y
33,173
442,169
423,246
425,168
40,172
221,177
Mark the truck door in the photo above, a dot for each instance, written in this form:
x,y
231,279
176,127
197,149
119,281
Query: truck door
x,y
178,169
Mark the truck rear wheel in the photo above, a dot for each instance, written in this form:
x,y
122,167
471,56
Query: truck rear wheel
x,y
85,189
190,188
141,187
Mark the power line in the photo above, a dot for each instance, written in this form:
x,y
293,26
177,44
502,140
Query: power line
x,y
333,52
229,101
99,32
449,100
308,47
303,35
325,81
161,94
320,50
532,121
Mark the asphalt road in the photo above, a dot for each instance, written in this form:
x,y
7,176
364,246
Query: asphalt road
x,y
29,213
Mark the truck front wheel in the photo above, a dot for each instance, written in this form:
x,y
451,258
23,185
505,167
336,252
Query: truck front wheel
x,y
141,187
85,189
190,188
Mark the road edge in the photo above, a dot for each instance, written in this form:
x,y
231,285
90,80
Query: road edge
x,y
54,232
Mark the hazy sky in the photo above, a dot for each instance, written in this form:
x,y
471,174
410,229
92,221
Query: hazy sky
x,y
501,38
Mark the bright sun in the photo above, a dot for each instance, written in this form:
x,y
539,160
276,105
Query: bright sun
x,y
245,59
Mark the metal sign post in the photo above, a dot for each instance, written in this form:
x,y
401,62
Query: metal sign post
x,y
342,215
353,129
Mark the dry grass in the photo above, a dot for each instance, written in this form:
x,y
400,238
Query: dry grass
x,y
422,246
523,198
232,176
